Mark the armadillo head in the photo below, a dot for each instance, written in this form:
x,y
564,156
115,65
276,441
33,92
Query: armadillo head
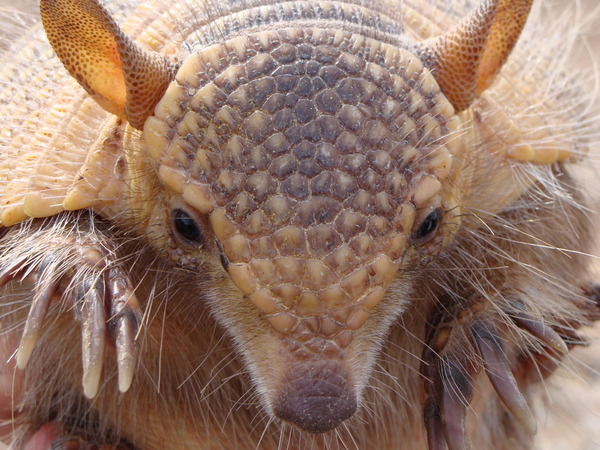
x,y
317,166
318,170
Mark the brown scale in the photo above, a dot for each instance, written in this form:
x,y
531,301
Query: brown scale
x,y
302,164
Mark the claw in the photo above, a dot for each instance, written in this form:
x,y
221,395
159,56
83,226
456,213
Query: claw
x,y
431,410
84,273
456,395
448,391
45,289
492,353
125,318
92,335
125,342
35,319
450,368
10,273
538,329
434,427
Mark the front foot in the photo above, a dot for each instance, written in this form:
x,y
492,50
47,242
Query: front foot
x,y
80,271
461,344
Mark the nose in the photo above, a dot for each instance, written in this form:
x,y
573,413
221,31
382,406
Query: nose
x,y
317,397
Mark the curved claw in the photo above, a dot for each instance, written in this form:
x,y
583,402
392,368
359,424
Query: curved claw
x,y
11,272
538,329
460,345
492,353
6,276
45,288
124,325
448,392
125,342
431,410
92,290
93,328
456,396
434,427
81,271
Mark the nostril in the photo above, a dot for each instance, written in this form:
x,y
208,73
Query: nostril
x,y
318,399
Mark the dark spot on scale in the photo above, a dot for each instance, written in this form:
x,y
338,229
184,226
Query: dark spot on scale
x,y
224,260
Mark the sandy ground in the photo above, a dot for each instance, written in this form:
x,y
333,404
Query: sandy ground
x,y
570,418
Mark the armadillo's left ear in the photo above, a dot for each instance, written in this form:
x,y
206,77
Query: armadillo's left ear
x,y
123,78
465,60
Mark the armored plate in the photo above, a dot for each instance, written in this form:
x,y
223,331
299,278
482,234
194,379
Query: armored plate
x,y
56,140
59,152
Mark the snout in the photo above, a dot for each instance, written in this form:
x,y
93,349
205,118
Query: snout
x,y
316,396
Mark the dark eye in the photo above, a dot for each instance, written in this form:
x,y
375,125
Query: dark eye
x,y
428,226
187,227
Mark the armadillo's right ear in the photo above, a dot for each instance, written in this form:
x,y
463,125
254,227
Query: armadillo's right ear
x,y
123,78
465,60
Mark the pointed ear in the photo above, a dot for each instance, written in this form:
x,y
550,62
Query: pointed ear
x,y
465,60
123,78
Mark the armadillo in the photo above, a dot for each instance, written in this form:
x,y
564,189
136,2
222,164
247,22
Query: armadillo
x,y
263,224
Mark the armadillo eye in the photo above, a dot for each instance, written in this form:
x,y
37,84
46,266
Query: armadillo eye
x,y
428,226
187,227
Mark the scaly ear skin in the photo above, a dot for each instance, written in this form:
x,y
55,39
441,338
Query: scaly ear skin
x,y
83,37
509,21
123,78
465,60
129,82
